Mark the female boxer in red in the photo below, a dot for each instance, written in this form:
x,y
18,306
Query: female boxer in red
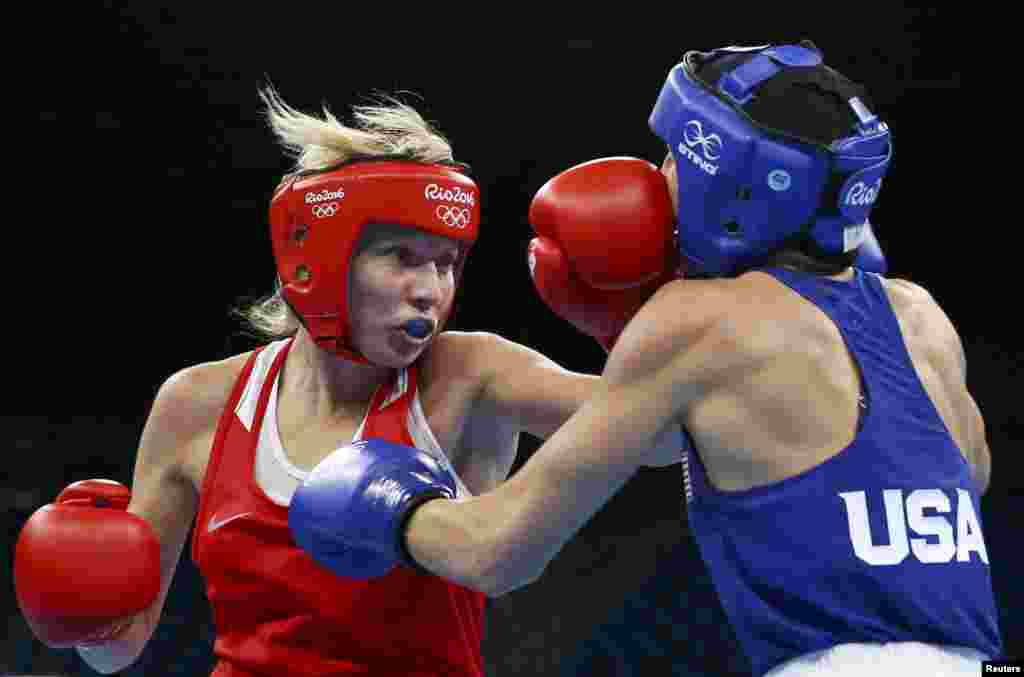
x,y
370,234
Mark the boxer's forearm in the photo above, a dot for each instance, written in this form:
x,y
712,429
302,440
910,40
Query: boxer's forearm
x,y
454,543
503,539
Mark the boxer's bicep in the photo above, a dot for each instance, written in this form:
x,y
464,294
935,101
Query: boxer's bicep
x,y
528,389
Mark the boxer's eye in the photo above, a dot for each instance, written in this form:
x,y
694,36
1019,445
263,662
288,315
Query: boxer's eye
x,y
406,256
390,250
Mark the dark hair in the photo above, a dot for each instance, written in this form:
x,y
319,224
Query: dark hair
x,y
802,254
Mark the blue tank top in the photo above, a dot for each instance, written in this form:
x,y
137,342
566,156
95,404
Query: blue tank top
x,y
880,543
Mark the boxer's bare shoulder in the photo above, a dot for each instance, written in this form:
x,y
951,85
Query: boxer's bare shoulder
x,y
700,319
922,320
183,420
694,332
201,389
940,361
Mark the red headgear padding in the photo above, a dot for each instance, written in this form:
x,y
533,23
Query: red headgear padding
x,y
316,221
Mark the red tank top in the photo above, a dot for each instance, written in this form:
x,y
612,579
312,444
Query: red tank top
x,y
278,613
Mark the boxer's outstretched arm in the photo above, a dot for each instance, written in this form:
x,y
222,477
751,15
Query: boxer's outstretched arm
x,y
528,389
186,407
504,539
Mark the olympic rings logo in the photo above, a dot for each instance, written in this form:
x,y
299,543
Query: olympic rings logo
x,y
323,211
453,217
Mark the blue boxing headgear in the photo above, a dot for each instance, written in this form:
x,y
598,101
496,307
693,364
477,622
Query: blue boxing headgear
x,y
769,144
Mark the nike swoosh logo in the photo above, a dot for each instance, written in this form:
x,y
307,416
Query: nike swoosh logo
x,y
217,524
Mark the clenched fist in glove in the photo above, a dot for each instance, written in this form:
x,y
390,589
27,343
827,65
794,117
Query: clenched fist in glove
x,y
83,564
349,514
604,243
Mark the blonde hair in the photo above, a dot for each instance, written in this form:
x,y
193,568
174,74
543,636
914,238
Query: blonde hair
x,y
386,128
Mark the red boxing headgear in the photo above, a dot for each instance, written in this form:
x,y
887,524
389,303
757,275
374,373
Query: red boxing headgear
x,y
317,219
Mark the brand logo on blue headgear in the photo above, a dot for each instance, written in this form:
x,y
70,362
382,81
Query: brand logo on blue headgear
x,y
694,135
710,146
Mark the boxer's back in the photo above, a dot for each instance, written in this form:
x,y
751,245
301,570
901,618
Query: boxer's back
x,y
801,403
851,514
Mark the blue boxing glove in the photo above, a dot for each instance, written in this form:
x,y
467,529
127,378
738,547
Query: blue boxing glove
x,y
349,515
869,256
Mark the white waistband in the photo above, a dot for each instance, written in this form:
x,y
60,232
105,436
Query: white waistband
x,y
882,660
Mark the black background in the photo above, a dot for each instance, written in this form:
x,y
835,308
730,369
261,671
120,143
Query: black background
x,y
137,219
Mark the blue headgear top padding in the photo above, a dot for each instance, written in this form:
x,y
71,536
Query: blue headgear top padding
x,y
746,185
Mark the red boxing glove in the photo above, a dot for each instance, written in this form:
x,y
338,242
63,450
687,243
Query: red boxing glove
x,y
605,243
83,562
